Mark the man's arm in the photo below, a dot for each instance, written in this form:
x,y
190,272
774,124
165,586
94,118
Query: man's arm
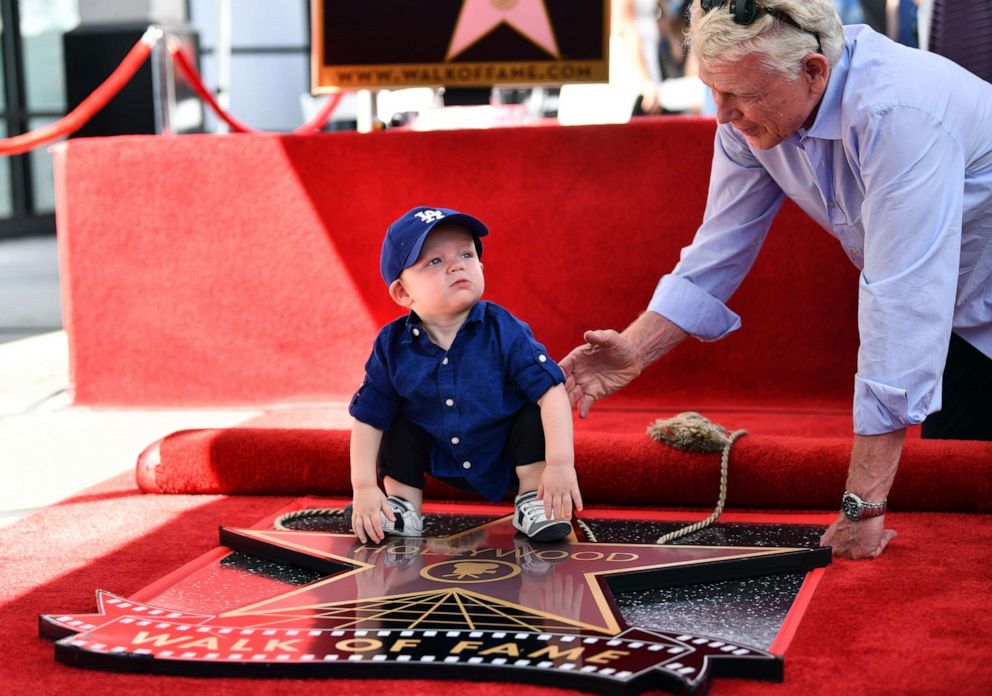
x,y
741,203
874,460
914,177
912,217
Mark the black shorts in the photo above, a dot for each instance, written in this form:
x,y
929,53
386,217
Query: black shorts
x,y
966,411
405,453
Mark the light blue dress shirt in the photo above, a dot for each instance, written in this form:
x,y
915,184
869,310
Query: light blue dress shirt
x,y
897,165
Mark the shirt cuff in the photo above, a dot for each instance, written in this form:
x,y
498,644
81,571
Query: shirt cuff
x,y
370,407
881,408
692,309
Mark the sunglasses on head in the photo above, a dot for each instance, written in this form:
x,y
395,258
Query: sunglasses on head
x,y
746,11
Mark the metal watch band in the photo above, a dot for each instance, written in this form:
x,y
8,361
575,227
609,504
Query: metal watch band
x,y
856,508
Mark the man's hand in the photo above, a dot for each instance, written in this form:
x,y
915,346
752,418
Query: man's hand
x,y
610,361
368,502
606,363
857,540
559,487
874,460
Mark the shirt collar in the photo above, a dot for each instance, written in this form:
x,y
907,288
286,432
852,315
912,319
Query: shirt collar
x,y
826,125
475,315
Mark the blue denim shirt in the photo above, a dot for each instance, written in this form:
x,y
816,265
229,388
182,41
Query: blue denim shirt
x,y
465,397
897,165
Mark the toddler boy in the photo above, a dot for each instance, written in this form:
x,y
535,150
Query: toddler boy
x,y
458,388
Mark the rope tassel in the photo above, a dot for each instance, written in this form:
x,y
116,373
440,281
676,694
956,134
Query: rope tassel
x,y
692,432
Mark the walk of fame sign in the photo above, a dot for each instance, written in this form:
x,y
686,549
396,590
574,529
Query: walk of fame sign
x,y
459,606
406,43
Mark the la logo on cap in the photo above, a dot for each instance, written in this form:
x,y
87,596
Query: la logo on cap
x,y
429,216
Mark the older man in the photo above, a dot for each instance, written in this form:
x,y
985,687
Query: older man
x,y
890,150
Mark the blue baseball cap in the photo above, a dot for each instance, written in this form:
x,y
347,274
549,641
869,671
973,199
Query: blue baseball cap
x,y
405,237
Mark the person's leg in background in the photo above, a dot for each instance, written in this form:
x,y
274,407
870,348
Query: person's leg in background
x,y
874,13
966,413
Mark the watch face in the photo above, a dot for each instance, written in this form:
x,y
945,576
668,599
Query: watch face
x,y
851,508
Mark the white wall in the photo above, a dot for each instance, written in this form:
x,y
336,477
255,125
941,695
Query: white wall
x,y
105,11
265,87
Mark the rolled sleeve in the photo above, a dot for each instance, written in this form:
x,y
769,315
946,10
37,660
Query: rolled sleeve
x,y
741,203
692,309
376,402
529,366
882,408
372,407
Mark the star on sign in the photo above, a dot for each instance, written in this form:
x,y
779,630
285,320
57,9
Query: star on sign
x,y
479,17
411,582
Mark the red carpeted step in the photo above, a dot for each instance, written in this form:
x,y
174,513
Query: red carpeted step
x,y
614,469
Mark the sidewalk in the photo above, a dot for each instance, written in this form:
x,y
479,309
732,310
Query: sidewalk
x,y
29,288
49,449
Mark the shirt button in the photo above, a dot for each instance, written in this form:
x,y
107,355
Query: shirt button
x,y
831,205
416,332
444,362
449,402
455,440
542,358
466,465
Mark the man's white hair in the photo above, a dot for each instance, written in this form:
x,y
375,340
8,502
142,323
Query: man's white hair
x,y
716,38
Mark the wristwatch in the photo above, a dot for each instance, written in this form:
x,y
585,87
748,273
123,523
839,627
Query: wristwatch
x,y
856,509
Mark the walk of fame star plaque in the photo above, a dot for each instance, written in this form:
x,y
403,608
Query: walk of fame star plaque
x,y
474,598
406,43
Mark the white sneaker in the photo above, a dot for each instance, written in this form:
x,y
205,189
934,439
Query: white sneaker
x,y
531,520
408,522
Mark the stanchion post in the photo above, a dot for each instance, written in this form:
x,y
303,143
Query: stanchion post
x,y
163,85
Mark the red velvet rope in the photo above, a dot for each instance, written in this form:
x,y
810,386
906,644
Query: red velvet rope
x,y
189,74
74,120
192,77
322,116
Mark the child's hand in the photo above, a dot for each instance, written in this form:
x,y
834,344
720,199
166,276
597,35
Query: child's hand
x,y
559,487
365,518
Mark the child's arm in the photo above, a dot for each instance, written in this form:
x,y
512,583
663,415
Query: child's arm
x,y
368,499
559,485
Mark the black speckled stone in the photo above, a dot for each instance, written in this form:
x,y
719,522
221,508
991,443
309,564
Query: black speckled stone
x,y
718,534
291,575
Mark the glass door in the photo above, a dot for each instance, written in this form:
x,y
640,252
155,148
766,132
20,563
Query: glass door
x,y
32,95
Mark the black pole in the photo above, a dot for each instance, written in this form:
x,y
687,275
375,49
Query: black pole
x,y
22,189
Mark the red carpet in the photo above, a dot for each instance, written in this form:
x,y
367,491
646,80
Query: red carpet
x,y
614,469
910,622
244,269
